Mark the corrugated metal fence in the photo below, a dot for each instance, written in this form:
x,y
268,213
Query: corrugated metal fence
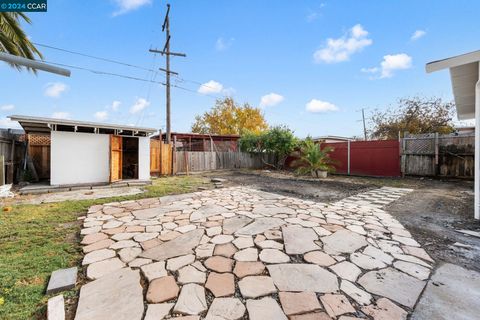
x,y
380,158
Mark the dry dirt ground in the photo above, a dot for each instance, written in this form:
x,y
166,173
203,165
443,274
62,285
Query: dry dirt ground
x,y
432,213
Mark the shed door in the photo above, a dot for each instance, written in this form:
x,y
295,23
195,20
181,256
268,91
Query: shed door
x,y
115,158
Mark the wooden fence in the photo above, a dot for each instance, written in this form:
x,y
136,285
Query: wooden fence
x,y
191,161
12,148
450,155
161,158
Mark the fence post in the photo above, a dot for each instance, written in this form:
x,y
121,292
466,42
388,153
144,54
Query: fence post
x,y
2,171
436,171
348,157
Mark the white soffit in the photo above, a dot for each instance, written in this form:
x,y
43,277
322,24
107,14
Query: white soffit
x,y
464,75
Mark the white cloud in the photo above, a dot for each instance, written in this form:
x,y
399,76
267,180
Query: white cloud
x,y
101,115
7,123
139,105
338,50
61,115
210,87
390,64
223,44
320,106
7,107
271,99
55,89
393,62
418,34
114,106
125,6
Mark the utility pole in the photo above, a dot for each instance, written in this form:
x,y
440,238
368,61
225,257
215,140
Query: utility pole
x,y
167,53
364,127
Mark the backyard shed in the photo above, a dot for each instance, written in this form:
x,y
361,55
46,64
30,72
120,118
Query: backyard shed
x,y
92,153
464,74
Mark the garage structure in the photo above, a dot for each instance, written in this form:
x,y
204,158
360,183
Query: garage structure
x,y
464,74
92,153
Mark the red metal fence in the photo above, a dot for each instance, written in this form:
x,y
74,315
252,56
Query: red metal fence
x,y
379,158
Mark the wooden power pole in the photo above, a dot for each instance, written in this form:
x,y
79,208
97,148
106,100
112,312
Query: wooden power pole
x,y
167,53
364,127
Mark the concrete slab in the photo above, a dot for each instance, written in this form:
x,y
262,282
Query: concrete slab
x,y
61,280
452,293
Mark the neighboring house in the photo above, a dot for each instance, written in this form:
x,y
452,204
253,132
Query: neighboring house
x,y
203,142
91,153
465,130
331,139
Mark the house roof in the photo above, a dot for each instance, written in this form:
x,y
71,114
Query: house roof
x,y
182,135
464,75
41,125
332,138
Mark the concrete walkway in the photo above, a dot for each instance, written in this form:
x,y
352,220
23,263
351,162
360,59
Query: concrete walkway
x,y
240,253
452,293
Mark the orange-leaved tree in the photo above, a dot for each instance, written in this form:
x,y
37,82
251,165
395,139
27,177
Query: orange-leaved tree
x,y
228,117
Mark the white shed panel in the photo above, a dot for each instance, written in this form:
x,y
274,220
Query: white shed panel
x,y
78,158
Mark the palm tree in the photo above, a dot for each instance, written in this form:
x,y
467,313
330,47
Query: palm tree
x,y
314,159
13,39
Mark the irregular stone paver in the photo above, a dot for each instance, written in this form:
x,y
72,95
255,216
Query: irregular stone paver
x,y
248,268
260,225
219,264
336,304
221,284
273,256
115,296
249,254
56,308
302,277
154,270
98,255
347,270
298,302
225,309
343,241
190,274
99,269
394,285
384,309
181,245
265,309
320,258
299,240
191,300
260,243
256,286
158,311
162,289
357,294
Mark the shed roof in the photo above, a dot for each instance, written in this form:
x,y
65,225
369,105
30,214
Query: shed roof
x,y
43,125
464,75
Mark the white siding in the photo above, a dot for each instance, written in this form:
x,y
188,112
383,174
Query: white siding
x,y
79,158
144,158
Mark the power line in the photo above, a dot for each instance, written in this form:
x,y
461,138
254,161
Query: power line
x,y
94,57
104,72
175,74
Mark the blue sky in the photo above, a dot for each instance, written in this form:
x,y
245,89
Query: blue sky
x,y
315,63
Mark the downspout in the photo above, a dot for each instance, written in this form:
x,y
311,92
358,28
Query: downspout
x,y
477,147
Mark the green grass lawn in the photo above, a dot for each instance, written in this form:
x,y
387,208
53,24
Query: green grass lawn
x,y
38,239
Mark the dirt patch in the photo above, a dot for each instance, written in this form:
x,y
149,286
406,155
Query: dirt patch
x,y
325,190
432,213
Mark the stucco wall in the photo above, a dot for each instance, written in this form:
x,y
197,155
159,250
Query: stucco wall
x,y
144,158
79,158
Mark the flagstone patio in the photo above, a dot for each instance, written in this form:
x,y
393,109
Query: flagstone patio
x,y
240,253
